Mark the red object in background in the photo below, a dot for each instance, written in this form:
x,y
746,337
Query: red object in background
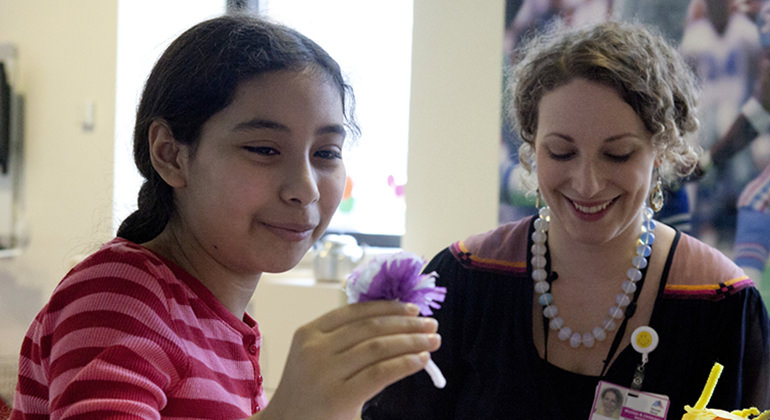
x,y
5,410
397,188
348,188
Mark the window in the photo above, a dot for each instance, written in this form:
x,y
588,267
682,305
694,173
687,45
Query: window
x,y
372,43
145,29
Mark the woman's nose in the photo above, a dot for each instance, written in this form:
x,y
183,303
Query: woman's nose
x,y
587,181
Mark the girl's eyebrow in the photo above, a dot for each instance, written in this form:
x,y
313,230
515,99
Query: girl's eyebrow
x,y
332,129
262,124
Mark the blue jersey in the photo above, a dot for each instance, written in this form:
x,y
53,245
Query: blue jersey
x,y
763,24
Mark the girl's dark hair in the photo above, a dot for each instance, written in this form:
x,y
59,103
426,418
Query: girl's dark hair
x,y
196,77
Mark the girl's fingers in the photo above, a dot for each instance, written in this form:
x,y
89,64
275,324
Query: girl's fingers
x,y
380,350
348,313
373,378
365,340
366,337
351,353
349,335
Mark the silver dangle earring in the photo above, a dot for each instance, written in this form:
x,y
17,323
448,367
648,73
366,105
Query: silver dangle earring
x,y
538,199
656,194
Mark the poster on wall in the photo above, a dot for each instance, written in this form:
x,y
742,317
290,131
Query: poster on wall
x,y
727,43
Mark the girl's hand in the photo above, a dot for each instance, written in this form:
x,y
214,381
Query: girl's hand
x,y
345,357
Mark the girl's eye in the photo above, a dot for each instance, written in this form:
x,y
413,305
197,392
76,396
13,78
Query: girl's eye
x,y
328,154
262,150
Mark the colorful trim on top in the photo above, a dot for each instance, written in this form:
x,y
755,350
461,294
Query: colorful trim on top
x,y
689,263
466,258
708,291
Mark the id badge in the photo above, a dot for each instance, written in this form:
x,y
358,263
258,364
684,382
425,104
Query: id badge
x,y
615,402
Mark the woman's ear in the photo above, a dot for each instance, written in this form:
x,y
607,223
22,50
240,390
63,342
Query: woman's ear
x,y
168,156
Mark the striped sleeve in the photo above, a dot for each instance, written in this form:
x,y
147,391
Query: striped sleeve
x,y
103,347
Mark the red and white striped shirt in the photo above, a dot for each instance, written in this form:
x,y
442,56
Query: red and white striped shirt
x,y
128,334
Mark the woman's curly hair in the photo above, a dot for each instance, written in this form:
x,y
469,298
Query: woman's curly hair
x,y
646,71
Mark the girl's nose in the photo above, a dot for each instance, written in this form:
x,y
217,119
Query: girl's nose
x,y
300,185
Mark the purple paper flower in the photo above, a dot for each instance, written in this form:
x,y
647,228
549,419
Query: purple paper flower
x,y
397,277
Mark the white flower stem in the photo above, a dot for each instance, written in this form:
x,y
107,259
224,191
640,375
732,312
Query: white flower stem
x,y
435,374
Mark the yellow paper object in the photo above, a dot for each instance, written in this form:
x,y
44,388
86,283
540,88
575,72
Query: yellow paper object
x,y
700,412
711,384
710,414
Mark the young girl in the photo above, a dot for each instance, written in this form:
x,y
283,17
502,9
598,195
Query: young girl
x,y
239,135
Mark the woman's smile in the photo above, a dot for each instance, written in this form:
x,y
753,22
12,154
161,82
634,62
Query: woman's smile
x,y
593,210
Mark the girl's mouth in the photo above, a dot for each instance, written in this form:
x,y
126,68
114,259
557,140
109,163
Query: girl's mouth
x,y
291,232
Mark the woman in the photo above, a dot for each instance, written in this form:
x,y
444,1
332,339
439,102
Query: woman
x,y
239,134
540,310
609,404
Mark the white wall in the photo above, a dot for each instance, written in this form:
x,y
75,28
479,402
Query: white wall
x,y
454,128
66,57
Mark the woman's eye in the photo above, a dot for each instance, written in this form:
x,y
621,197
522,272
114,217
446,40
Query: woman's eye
x,y
560,155
619,157
262,150
328,154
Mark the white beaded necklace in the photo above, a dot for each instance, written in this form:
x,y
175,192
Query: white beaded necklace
x,y
622,300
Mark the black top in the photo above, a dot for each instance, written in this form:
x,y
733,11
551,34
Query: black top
x,y
706,311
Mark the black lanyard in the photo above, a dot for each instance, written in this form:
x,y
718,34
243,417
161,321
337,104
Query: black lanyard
x,y
630,310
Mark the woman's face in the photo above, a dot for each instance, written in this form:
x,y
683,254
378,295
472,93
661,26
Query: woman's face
x,y
267,174
610,402
594,160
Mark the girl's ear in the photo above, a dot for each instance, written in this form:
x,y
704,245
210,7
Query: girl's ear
x,y
167,155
